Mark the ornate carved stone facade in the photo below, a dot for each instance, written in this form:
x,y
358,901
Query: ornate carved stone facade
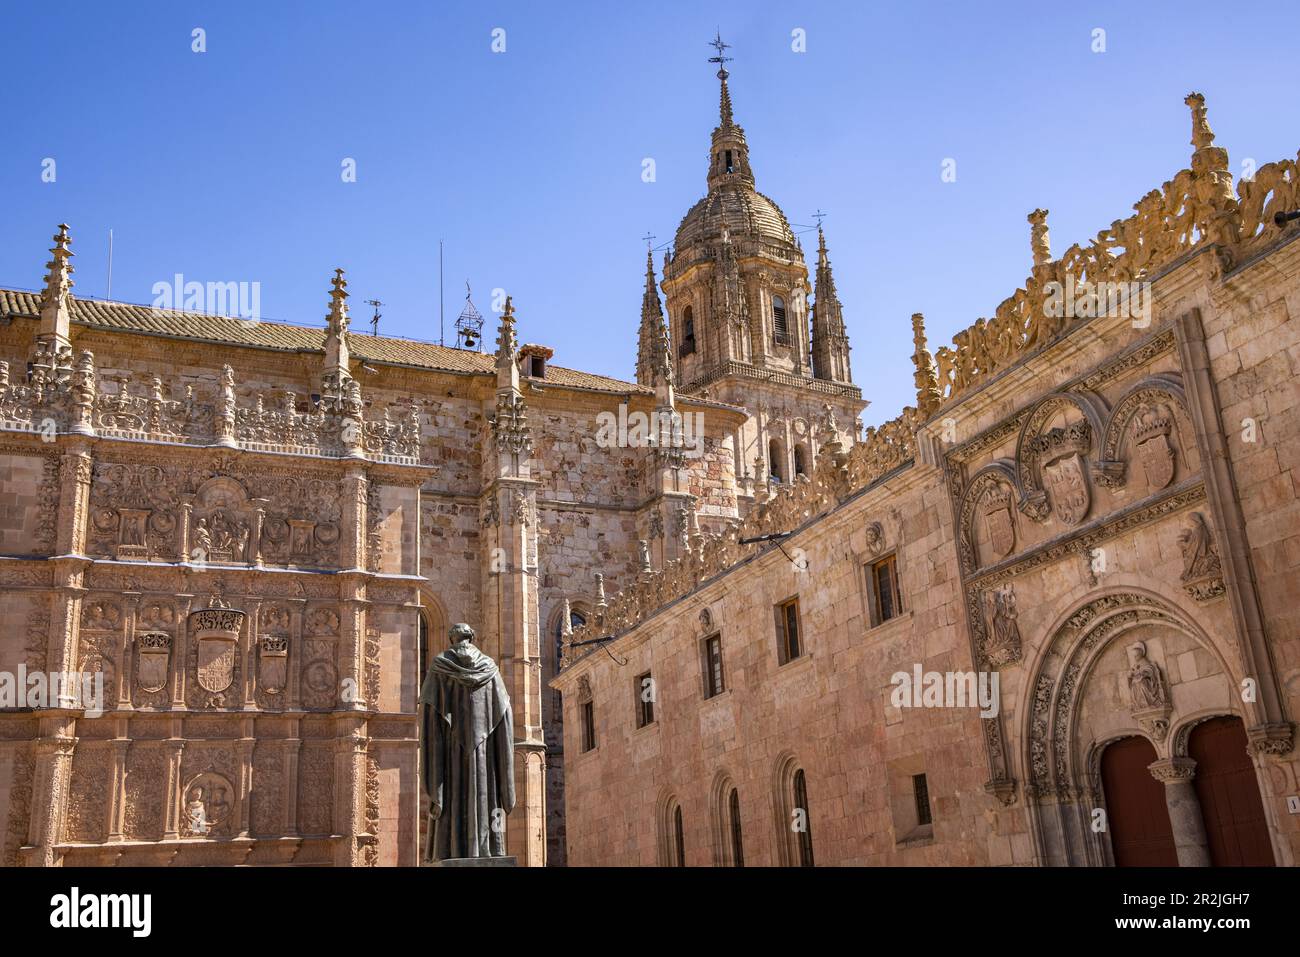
x,y
1098,508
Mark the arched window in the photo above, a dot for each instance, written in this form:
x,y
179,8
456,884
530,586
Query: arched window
x,y
737,844
423,639
799,466
780,328
679,839
774,464
794,846
804,832
688,332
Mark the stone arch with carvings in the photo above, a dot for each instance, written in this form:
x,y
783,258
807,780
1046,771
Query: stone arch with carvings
x,y
989,500
1124,663
1149,427
1056,445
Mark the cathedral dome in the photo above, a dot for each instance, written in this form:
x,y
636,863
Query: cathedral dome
x,y
744,213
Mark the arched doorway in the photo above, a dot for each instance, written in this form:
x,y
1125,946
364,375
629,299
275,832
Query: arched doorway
x,y
1137,816
1229,794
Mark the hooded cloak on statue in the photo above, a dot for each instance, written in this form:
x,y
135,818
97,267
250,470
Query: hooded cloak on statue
x,y
467,749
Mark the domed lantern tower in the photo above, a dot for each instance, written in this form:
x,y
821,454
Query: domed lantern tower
x,y
741,324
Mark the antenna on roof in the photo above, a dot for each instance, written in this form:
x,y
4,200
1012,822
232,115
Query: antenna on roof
x,y
442,337
374,320
469,325
109,294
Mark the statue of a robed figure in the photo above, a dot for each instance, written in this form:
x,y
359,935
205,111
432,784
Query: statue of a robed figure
x,y
467,747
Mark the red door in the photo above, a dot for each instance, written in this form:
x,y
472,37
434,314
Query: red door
x,y
1229,793
1137,816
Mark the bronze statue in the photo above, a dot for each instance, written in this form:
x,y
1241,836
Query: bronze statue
x,y
467,752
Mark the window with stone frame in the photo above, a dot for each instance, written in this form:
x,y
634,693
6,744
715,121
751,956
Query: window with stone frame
x,y
788,640
688,333
737,840
586,715
711,661
804,833
644,689
780,327
884,594
921,793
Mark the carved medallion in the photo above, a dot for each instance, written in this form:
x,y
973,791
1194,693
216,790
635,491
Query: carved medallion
x,y
153,660
209,802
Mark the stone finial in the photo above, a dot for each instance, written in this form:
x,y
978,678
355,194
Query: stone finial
x,y
654,365
926,378
337,355
1040,242
507,349
337,320
1202,135
55,297
643,550
566,620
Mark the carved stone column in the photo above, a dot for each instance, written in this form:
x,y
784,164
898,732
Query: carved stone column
x,y
349,774
246,743
117,797
1176,775
172,808
50,788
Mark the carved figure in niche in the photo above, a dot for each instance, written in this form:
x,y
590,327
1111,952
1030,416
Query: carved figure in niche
x,y
196,813
1003,644
202,541
1202,571
1146,684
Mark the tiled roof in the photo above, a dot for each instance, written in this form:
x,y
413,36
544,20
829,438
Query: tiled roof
x,y
127,317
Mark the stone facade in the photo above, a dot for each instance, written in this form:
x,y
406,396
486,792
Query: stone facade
x,y
1100,507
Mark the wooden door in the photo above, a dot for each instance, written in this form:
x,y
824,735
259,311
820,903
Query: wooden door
x,y
1229,794
1137,816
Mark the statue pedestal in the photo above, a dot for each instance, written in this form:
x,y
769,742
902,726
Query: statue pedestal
x,y
474,862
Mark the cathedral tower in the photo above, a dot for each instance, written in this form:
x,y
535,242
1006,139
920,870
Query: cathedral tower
x,y
737,293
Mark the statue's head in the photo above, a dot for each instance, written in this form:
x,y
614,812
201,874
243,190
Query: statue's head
x,y
460,632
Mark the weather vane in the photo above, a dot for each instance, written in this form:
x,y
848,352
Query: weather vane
x,y
721,58
648,238
819,216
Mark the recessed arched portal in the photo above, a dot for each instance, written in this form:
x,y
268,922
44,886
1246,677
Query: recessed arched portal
x,y
1137,817
1228,790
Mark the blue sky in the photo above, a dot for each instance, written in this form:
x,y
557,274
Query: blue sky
x,y
225,166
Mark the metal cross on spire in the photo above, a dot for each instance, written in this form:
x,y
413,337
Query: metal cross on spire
x,y
819,216
649,238
721,58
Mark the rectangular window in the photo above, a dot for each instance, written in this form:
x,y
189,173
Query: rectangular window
x,y
787,630
713,683
886,600
645,700
921,791
588,726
